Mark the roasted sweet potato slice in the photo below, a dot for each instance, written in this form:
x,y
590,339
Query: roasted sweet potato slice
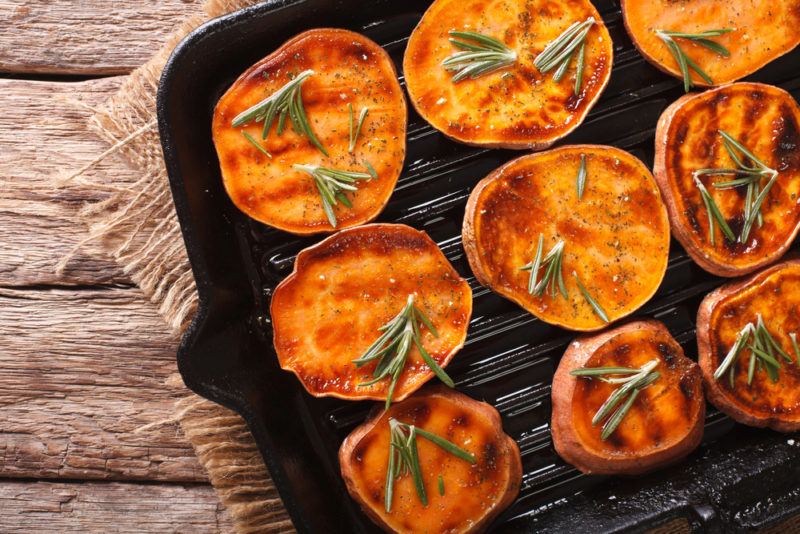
x,y
665,420
774,294
516,106
462,497
328,311
349,72
762,30
690,136
615,238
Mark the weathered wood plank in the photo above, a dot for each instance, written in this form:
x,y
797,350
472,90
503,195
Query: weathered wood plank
x,y
86,36
43,137
109,507
82,371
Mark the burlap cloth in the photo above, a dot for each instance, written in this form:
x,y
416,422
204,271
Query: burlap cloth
x,y
137,225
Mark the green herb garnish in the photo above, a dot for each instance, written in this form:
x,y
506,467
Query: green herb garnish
x,y
764,351
552,265
685,63
619,403
355,129
391,349
480,54
598,310
559,52
714,214
331,184
404,458
285,102
255,144
581,179
793,337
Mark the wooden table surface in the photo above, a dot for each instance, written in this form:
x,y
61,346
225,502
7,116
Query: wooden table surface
x,y
83,357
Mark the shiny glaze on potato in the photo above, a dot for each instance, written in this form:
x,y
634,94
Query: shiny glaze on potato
x,y
665,422
775,294
763,31
348,69
515,107
474,494
342,290
766,120
616,237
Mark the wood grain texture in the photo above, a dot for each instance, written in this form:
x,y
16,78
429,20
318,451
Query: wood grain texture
x,y
109,507
43,137
82,370
86,36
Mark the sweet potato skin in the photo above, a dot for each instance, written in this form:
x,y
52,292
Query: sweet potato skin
x,y
664,425
617,236
348,69
764,31
775,293
516,107
766,120
327,312
474,494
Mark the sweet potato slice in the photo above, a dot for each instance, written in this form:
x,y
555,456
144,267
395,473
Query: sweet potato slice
x,y
516,106
665,421
775,294
616,237
349,70
468,497
766,121
328,311
762,31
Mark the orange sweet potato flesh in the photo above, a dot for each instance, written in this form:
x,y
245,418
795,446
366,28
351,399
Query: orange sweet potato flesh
x,y
348,69
474,494
327,312
766,120
664,424
775,294
516,107
616,237
764,30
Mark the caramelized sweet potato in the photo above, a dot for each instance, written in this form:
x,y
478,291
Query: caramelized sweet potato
x,y
349,70
474,494
775,294
616,238
516,106
327,312
762,31
765,120
665,421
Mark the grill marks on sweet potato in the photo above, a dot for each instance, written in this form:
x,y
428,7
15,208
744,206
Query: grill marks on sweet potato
x,y
764,30
473,495
775,294
328,311
515,107
764,119
349,69
616,238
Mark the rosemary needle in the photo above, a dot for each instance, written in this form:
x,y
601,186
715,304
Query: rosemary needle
x,y
581,179
793,337
592,302
255,144
479,55
685,63
441,486
355,128
331,185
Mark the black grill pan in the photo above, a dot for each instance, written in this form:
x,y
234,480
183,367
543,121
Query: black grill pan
x,y
739,480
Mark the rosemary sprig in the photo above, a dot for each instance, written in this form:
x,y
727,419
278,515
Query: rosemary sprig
x,y
619,403
747,174
404,458
479,55
552,265
714,214
763,348
559,52
593,303
255,144
581,179
685,63
355,129
285,102
331,184
392,347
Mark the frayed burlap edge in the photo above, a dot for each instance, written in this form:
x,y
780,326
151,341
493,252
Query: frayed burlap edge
x,y
137,225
